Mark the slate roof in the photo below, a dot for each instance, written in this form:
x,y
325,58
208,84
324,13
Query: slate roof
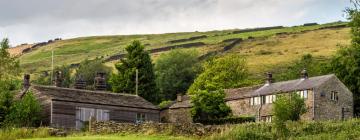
x,y
94,97
277,87
292,85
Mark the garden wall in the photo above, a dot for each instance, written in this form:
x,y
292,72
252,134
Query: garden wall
x,y
184,129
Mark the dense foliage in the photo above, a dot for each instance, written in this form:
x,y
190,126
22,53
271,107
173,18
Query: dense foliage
x,y
88,69
24,112
221,73
346,63
125,81
287,107
175,72
9,66
209,105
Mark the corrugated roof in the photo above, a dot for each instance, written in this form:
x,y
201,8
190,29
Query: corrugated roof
x,y
94,97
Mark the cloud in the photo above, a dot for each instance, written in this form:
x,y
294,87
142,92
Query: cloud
x,y
39,20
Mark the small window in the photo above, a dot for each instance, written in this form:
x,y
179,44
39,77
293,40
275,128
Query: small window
x,y
255,100
334,96
140,117
303,93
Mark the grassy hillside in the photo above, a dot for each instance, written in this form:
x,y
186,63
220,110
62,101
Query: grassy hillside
x,y
263,52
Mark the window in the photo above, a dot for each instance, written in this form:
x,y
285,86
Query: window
x,y
270,99
334,96
303,93
255,101
83,115
266,118
140,117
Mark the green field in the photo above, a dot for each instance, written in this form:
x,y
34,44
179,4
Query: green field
x,y
283,49
114,137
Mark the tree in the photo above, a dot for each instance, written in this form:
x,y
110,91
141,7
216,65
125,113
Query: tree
x,y
208,105
136,59
346,63
88,70
9,66
221,73
175,72
287,107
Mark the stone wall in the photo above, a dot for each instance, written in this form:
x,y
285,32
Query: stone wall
x,y
184,129
327,109
180,115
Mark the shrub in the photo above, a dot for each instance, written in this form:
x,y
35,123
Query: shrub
x,y
230,120
164,104
209,105
25,112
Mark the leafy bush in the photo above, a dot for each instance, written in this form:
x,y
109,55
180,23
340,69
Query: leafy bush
x,y
25,112
163,104
209,105
221,73
230,120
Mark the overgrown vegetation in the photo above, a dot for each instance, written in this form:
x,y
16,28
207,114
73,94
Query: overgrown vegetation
x,y
175,72
287,107
323,130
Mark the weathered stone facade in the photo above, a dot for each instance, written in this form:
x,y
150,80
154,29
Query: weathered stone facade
x,y
326,98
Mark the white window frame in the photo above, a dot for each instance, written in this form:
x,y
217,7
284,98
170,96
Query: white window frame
x,y
140,117
334,96
303,93
83,115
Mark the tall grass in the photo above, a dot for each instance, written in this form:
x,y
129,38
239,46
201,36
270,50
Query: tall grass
x,y
334,130
18,133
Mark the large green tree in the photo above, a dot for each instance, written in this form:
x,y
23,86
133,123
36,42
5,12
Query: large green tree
x,y
175,72
346,63
221,73
9,66
136,59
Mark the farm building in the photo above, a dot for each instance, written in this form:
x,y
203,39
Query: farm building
x,y
72,108
326,98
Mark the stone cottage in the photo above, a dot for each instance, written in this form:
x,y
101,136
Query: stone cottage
x,y
72,108
326,98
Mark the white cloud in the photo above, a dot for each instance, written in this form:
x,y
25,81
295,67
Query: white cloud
x,y
40,20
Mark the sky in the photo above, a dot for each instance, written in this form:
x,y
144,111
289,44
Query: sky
x,y
30,21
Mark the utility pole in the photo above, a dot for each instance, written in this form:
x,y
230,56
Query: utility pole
x,y
52,66
137,82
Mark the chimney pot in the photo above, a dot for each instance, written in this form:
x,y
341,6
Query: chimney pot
x,y
179,98
26,81
269,78
304,74
100,81
80,83
58,79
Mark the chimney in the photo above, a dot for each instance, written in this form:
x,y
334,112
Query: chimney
x,y
269,78
58,79
179,98
80,83
26,83
100,81
304,74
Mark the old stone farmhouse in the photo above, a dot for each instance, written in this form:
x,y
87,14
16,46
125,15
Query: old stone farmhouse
x,y
72,108
326,98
